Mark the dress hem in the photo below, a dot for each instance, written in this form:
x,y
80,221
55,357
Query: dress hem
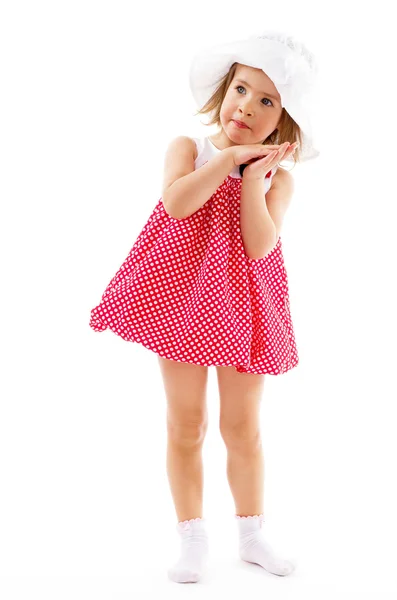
x,y
146,345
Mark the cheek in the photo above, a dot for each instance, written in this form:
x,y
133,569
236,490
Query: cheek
x,y
227,108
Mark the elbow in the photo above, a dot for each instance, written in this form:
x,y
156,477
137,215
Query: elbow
x,y
255,254
263,251
252,256
167,209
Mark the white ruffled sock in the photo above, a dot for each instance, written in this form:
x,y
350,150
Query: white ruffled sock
x,y
254,549
194,551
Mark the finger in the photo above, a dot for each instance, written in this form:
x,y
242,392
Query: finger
x,y
284,151
270,148
273,155
289,152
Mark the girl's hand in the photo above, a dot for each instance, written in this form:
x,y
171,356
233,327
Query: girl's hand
x,y
244,153
259,167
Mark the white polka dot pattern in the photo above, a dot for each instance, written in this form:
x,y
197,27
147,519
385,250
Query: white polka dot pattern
x,y
188,292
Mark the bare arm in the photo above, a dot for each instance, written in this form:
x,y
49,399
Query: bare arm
x,y
257,228
189,193
261,216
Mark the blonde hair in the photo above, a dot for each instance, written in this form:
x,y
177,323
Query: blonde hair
x,y
287,128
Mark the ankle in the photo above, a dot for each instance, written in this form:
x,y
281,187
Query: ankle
x,y
250,523
192,527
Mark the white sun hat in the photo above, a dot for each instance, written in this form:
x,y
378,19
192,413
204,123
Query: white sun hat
x,y
288,63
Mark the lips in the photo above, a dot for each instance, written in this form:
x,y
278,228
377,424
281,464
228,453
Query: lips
x,y
240,124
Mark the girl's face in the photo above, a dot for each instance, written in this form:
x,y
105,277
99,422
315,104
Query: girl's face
x,y
256,103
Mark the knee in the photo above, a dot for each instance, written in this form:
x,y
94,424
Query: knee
x,y
242,436
188,433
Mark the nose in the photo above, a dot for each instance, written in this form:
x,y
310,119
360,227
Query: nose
x,y
246,110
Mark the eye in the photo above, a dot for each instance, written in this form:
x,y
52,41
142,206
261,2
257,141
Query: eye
x,y
241,86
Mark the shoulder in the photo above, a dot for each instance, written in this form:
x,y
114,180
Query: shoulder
x,y
283,177
184,143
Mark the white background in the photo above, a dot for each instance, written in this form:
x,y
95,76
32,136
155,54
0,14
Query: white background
x,y
91,95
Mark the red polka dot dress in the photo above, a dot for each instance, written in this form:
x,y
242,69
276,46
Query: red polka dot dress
x,y
188,292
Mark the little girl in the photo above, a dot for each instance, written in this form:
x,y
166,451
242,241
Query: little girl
x,y
205,282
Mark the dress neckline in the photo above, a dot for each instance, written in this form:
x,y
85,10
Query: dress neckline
x,y
213,145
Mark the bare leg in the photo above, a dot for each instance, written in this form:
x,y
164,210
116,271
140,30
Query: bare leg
x,y
185,475
240,395
185,388
240,398
245,472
